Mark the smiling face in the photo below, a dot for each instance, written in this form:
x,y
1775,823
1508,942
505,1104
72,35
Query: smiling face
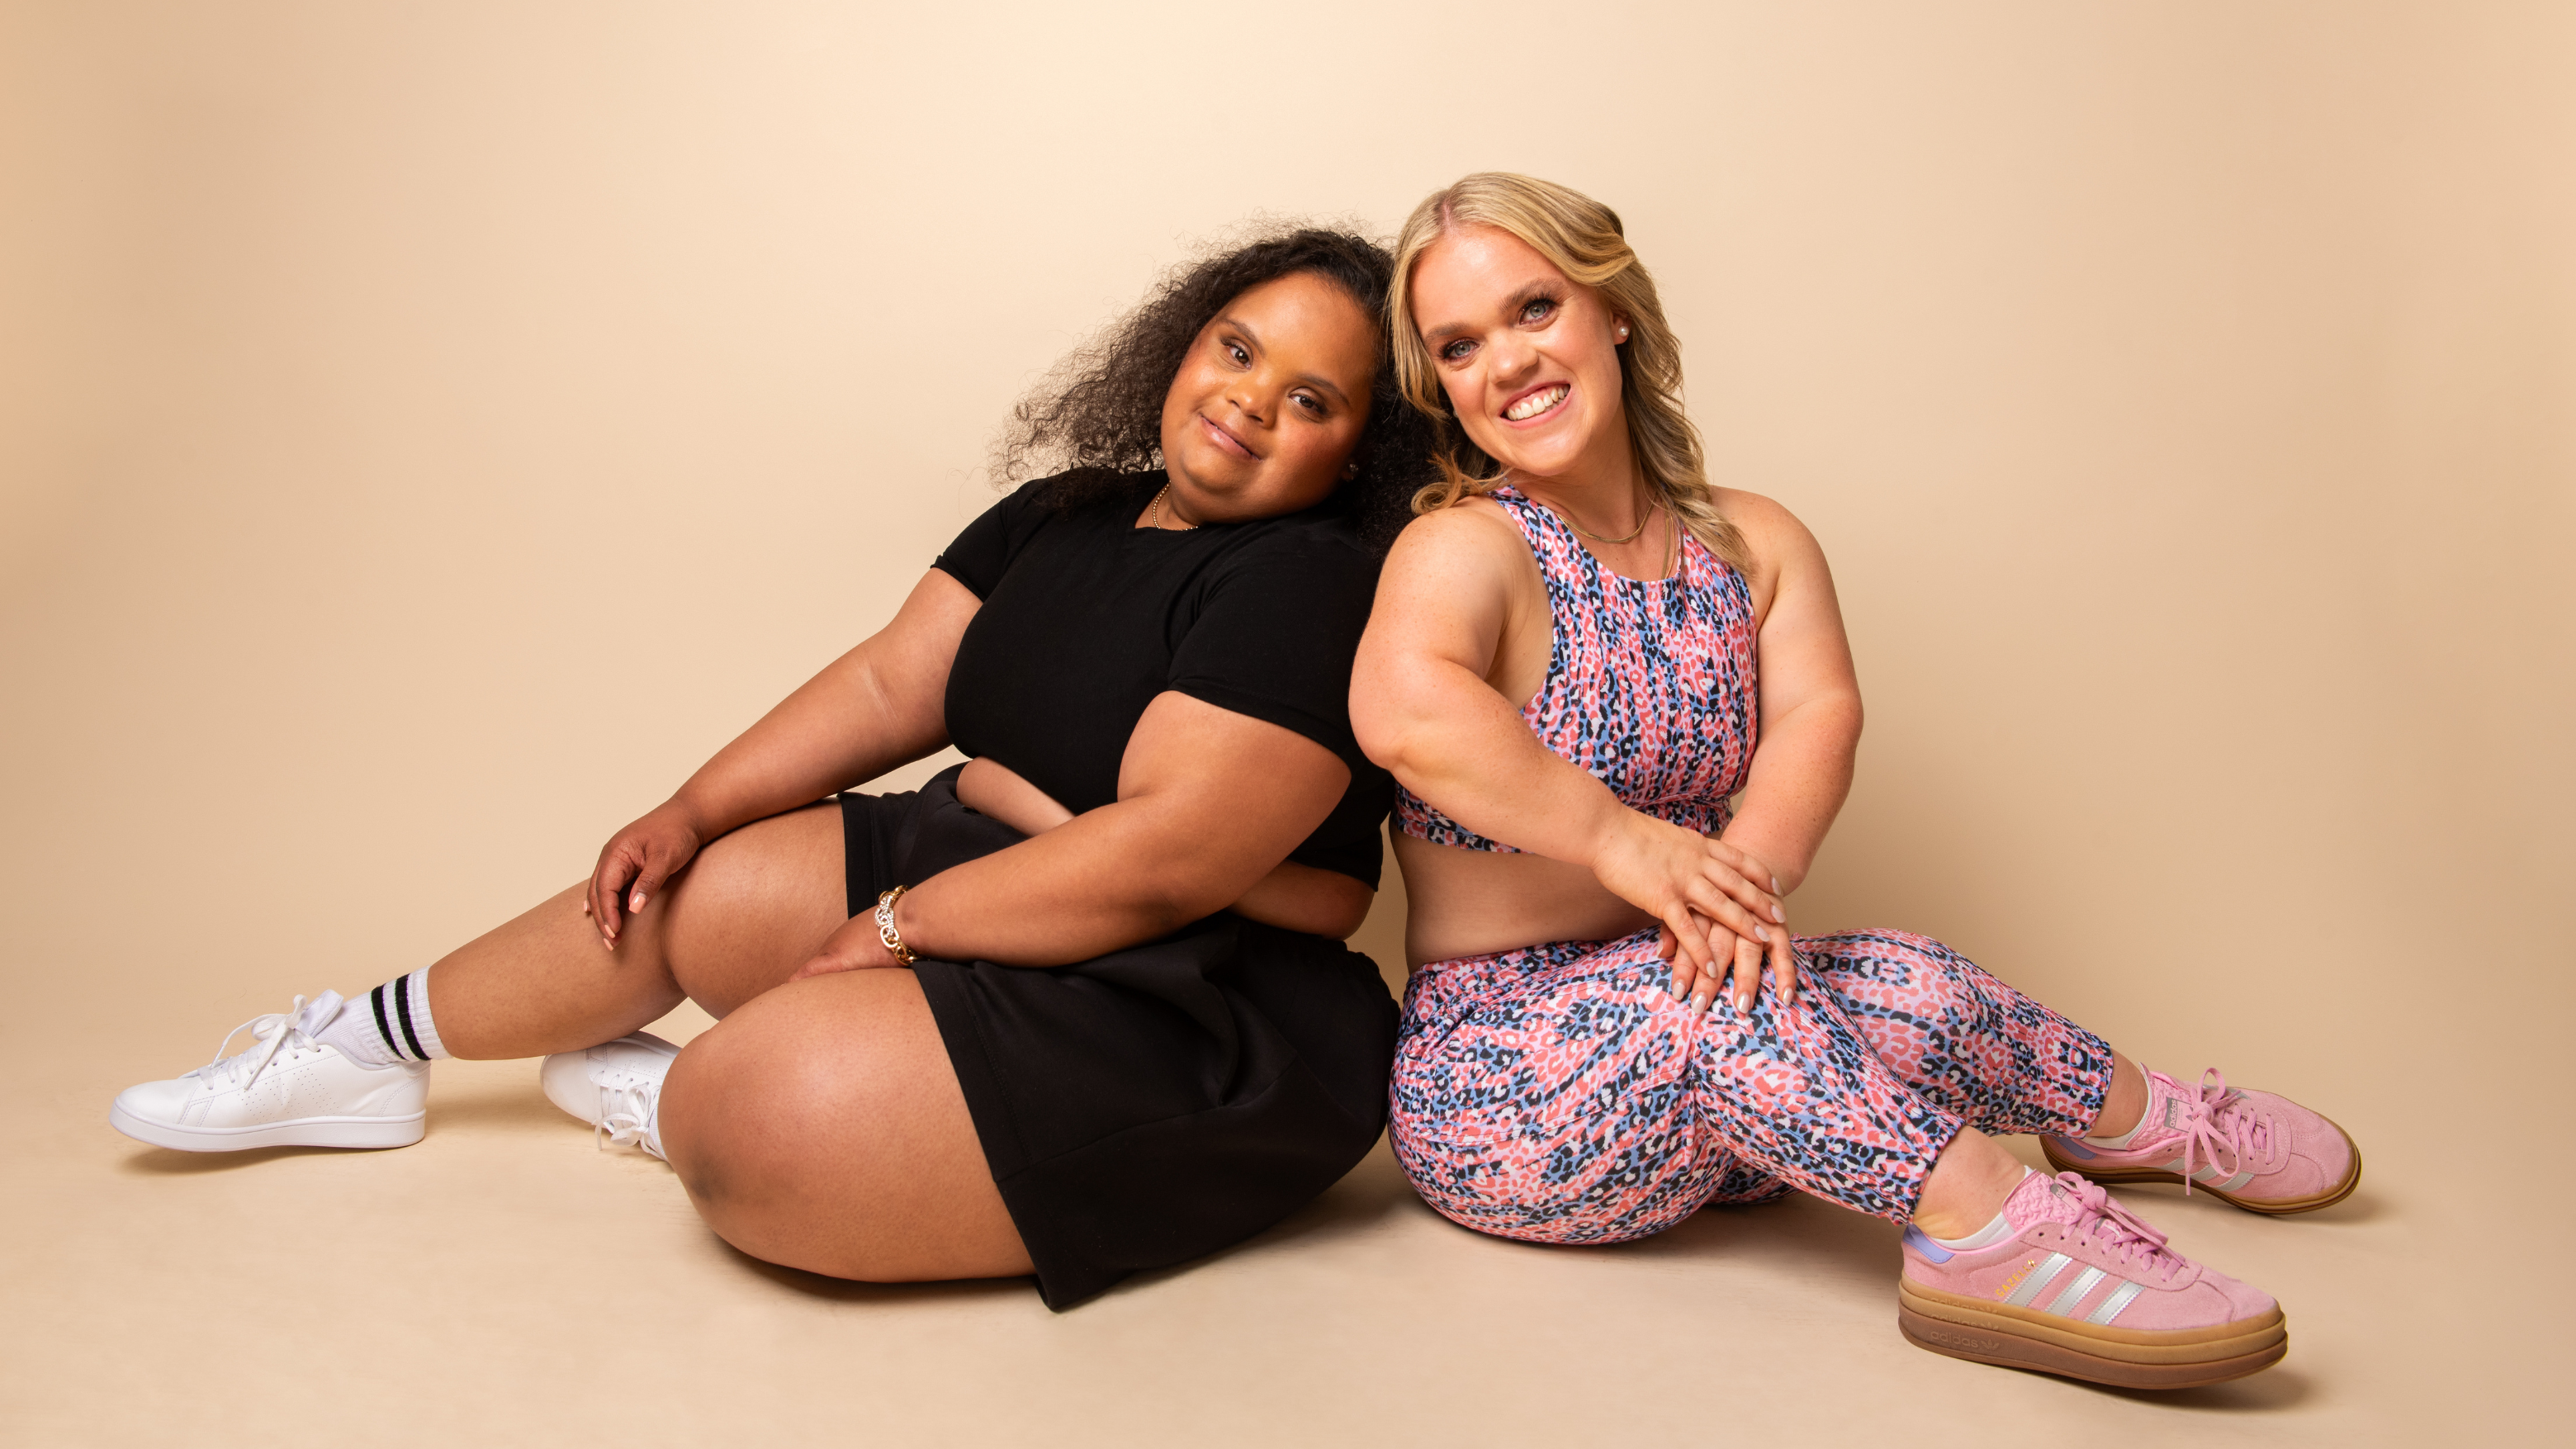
x,y
1529,360
1264,413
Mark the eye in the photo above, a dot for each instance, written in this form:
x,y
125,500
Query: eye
x,y
1538,309
1241,356
1313,405
1455,351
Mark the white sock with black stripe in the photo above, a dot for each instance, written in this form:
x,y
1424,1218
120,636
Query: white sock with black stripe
x,y
387,1025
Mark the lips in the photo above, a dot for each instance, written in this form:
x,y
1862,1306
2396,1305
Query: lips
x,y
1225,441
1537,402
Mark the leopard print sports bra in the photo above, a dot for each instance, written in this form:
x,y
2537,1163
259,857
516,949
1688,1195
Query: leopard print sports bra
x,y
1650,682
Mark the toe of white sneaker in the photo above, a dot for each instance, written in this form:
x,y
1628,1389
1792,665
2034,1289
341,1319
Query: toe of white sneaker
x,y
159,1103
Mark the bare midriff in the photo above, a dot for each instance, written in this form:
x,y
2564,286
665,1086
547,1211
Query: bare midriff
x,y
1463,902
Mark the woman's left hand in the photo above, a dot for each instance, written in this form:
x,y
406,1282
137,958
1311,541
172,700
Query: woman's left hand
x,y
856,946
1701,986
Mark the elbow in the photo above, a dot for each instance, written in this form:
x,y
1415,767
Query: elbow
x,y
1395,740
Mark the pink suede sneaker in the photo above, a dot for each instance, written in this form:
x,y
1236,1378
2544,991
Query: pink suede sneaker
x,y
2261,1152
2083,1289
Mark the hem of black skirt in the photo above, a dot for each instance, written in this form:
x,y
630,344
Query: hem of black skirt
x,y
1067,1278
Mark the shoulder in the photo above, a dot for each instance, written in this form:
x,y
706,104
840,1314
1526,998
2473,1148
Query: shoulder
x,y
1315,560
1475,537
1779,546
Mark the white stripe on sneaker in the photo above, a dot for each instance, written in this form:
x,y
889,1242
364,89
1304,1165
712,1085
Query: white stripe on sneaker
x,y
2048,1268
2126,1294
2064,1307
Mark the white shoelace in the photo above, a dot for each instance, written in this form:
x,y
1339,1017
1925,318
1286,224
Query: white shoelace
x,y
628,1106
295,1027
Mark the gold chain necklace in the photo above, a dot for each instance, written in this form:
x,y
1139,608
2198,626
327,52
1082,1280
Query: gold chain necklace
x,y
1155,513
1633,534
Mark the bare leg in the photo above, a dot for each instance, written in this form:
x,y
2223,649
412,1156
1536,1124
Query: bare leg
x,y
821,1127
2125,1103
740,919
1973,1175
1968,1185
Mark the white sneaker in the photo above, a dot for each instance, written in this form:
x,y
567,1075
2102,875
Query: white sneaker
x,y
288,1091
616,1087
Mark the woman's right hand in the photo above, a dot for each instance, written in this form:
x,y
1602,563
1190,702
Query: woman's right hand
x,y
1709,896
634,865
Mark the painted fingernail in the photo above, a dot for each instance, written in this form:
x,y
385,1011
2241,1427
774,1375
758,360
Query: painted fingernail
x,y
1779,915
1760,934
635,902
1775,885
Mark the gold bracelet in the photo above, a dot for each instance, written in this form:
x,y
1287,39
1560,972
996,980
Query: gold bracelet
x,y
885,926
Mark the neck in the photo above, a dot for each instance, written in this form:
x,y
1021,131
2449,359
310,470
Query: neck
x,y
1604,489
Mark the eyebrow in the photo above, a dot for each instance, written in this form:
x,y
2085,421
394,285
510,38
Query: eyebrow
x,y
1521,297
1316,379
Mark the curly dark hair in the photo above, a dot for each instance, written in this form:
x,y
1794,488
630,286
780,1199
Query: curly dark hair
x,y
1098,414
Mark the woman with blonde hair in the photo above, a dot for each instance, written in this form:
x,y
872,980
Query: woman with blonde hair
x,y
1621,714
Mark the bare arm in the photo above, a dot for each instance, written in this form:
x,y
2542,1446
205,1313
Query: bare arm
x,y
1425,704
1208,801
1810,697
878,706
1292,896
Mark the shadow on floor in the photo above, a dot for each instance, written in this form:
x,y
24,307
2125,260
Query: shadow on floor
x,y
845,1290
170,1162
2269,1392
514,1107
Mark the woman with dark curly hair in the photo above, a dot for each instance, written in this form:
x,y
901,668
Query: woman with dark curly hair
x,y
971,1031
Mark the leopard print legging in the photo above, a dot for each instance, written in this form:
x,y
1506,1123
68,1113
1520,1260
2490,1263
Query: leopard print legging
x,y
1560,1094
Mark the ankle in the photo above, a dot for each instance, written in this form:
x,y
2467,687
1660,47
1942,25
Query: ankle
x,y
2124,1102
1968,1186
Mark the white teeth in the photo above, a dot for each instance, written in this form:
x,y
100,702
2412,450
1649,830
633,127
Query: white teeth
x,y
1536,403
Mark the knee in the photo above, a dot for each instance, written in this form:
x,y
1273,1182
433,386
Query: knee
x,y
742,1102
757,1123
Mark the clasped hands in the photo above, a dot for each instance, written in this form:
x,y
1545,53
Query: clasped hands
x,y
1717,906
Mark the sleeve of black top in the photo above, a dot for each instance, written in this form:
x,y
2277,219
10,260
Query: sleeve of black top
x,y
1276,637
979,555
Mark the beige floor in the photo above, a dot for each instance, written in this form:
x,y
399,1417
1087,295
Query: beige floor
x,y
426,432
504,1281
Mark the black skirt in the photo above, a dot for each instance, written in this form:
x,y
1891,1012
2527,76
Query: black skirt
x,y
1155,1104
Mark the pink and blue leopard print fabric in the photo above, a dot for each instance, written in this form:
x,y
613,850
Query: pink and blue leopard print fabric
x,y
1559,1093
1649,682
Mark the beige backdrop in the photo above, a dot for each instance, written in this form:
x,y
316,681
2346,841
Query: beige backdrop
x,y
428,430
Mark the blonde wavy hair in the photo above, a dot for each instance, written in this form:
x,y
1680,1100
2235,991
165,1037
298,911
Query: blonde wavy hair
x,y
1584,240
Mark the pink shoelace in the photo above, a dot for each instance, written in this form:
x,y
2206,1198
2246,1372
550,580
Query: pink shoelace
x,y
2219,1121
2103,1223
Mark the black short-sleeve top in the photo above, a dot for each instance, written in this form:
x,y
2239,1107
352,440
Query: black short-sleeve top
x,y
1087,617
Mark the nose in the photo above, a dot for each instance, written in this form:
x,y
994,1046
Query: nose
x,y
1254,396
1509,356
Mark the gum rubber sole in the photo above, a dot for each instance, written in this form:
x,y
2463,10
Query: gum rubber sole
x,y
2273,1208
359,1132
1960,1330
